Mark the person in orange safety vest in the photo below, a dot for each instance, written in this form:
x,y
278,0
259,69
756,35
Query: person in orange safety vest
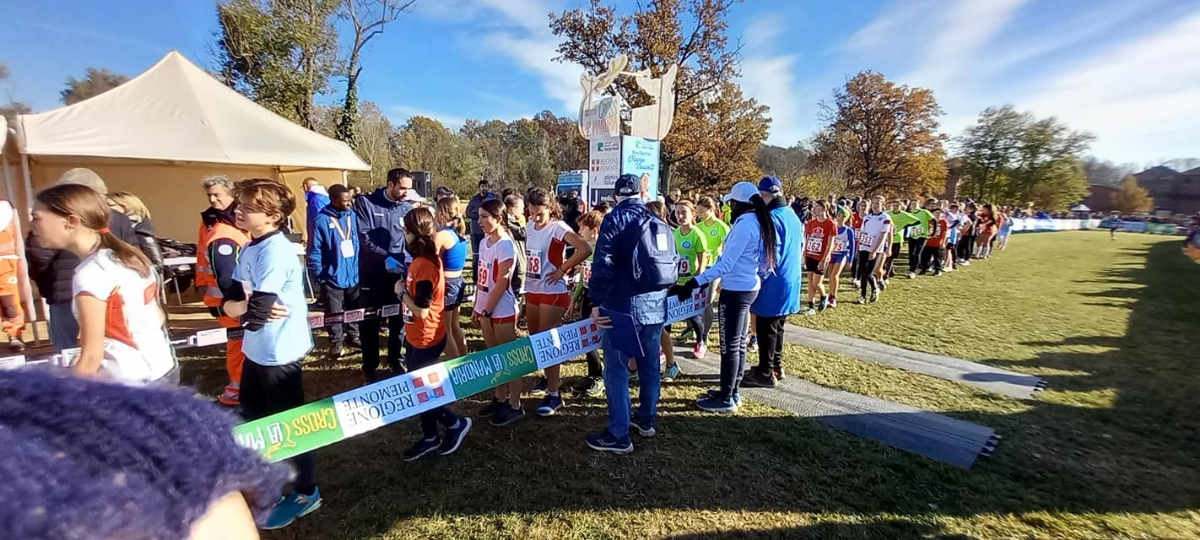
x,y
220,242
10,277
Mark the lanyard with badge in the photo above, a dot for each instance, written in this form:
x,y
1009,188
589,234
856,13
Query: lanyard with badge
x,y
347,244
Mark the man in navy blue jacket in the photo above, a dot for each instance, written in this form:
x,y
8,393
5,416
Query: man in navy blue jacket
x,y
612,287
333,259
381,264
780,292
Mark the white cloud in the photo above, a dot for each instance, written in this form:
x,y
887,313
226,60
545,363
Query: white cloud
x,y
962,30
769,78
1141,98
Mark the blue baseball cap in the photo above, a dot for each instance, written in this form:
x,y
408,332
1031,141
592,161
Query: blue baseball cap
x,y
628,185
770,184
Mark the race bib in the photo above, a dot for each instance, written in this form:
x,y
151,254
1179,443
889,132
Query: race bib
x,y
406,313
347,247
866,240
685,268
839,246
533,264
585,271
485,284
815,245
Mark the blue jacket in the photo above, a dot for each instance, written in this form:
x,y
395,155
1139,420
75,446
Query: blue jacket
x,y
325,259
780,292
316,199
380,234
612,282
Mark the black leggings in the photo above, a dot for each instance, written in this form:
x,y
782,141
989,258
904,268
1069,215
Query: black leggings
x,y
266,390
966,248
891,260
595,366
864,271
733,312
416,359
915,247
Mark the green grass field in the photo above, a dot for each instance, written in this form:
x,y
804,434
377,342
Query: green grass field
x,y
1109,450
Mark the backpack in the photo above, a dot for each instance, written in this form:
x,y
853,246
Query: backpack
x,y
655,262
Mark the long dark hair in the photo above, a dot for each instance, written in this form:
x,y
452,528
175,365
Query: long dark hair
x,y
539,197
766,227
420,223
658,209
93,212
449,207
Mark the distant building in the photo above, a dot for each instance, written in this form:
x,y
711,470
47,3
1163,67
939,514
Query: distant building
x,y
1173,191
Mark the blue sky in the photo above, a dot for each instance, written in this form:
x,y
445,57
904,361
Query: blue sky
x,y
1128,71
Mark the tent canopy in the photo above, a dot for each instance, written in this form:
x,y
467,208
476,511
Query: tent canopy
x,y
1081,208
176,112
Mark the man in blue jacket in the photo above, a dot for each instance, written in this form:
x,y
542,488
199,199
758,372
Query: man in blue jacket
x,y
381,264
780,292
333,259
612,287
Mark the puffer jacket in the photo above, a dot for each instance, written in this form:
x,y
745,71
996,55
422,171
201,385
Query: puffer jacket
x,y
144,229
52,269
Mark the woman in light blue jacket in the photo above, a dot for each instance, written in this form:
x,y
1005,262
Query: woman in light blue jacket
x,y
740,267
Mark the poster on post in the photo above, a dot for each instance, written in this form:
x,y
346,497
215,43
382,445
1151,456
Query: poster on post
x,y
640,156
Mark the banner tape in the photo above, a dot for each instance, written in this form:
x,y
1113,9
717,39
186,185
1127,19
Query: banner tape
x,y
354,412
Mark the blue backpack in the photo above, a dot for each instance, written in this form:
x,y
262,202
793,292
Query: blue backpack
x,y
655,262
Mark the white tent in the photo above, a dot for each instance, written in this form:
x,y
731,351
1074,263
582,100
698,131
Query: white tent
x,y
158,135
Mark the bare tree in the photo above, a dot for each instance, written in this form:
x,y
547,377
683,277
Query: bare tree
x,y
368,18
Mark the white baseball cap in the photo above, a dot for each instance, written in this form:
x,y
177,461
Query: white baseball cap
x,y
741,192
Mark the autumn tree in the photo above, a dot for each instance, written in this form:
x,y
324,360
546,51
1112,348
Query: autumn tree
x,y
687,33
374,147
1014,158
367,19
96,82
486,142
10,108
425,144
885,135
1131,198
280,53
733,128
568,150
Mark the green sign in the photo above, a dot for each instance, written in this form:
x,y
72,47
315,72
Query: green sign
x,y
292,432
487,369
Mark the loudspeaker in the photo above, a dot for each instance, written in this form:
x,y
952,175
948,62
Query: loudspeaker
x,y
423,183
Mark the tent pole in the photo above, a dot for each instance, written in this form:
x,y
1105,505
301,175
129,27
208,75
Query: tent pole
x,y
29,208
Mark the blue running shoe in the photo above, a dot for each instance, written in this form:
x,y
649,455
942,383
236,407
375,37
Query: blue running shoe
x,y
605,442
507,416
421,448
717,405
672,372
714,394
550,405
810,311
645,429
292,507
454,436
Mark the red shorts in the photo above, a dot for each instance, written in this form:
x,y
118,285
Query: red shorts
x,y
504,320
559,300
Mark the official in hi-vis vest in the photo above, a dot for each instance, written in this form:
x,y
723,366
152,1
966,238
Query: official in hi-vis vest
x,y
10,277
217,250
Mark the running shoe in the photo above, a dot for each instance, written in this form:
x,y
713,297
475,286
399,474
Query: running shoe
x,y
717,405
336,352
699,350
491,408
757,379
965,263
228,399
606,442
454,436
857,283
646,430
714,394
938,274
882,284
507,416
687,334
422,448
810,311
672,372
292,507
832,302
820,307
550,405
874,296
912,275
539,387
753,345
16,345
862,300
591,387
779,374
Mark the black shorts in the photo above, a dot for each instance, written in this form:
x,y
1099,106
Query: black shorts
x,y
813,266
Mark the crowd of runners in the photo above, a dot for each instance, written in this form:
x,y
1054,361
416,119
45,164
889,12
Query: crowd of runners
x,y
537,260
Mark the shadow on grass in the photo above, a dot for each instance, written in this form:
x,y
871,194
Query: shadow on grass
x,y
1131,451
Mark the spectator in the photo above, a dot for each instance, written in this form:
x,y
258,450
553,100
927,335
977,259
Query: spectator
x,y
674,197
220,242
10,278
613,286
133,208
53,269
114,287
316,199
333,259
67,455
781,289
485,193
381,264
